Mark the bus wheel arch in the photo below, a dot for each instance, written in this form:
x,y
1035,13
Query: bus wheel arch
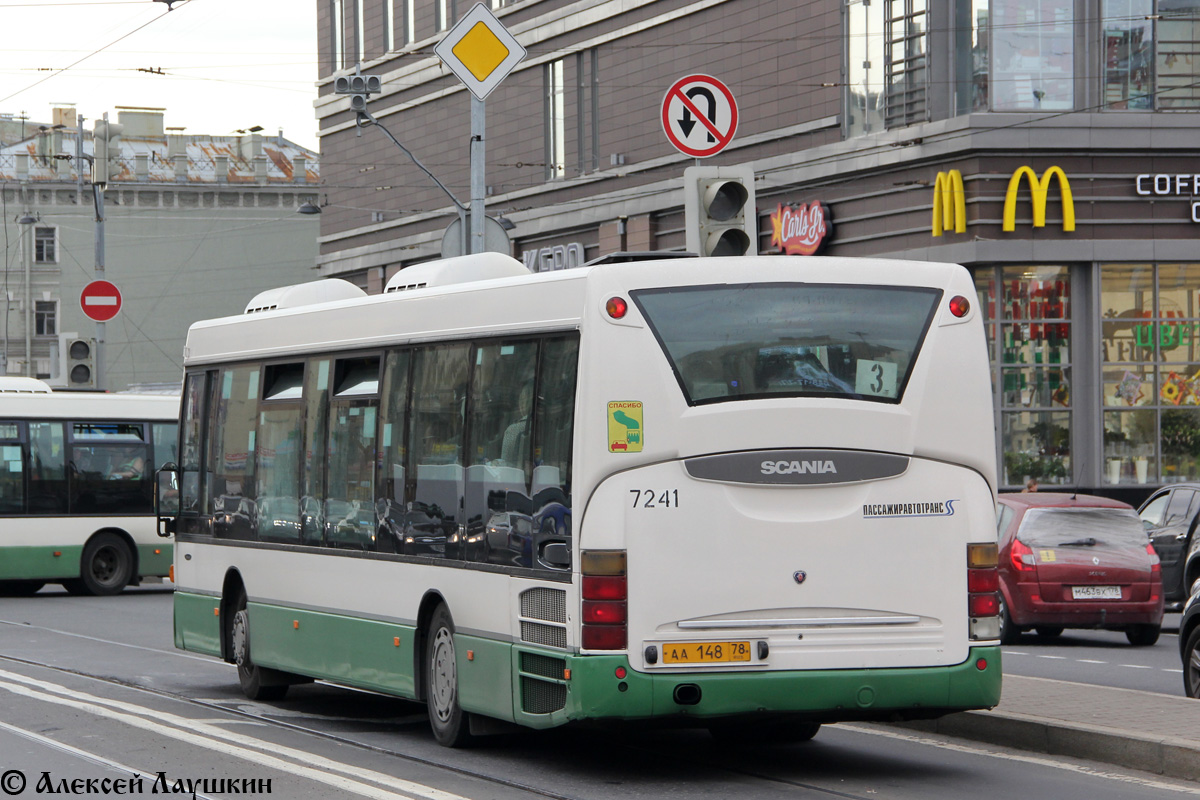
x,y
257,683
429,604
108,563
231,590
450,724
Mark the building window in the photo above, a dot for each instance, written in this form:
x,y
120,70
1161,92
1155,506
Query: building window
x,y
906,75
556,121
389,25
45,317
337,19
1033,55
971,47
410,16
445,14
864,68
360,33
1028,324
587,109
45,245
1151,54
1150,361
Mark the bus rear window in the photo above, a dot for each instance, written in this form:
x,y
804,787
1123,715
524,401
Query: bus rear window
x,y
748,341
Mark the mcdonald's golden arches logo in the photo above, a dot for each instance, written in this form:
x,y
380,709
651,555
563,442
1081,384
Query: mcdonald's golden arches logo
x,y
949,203
1038,189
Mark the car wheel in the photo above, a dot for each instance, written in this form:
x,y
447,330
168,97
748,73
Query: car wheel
x,y
1008,631
258,683
1049,630
446,717
107,565
1191,664
1143,635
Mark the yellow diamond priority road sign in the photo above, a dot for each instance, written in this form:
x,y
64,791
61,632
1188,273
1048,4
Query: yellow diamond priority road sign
x,y
480,51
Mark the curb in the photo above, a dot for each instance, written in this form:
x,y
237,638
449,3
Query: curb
x,y
1167,755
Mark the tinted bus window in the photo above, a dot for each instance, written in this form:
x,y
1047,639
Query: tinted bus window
x,y
233,439
12,469
47,468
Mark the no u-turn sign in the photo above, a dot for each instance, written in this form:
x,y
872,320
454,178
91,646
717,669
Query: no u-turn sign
x,y
699,115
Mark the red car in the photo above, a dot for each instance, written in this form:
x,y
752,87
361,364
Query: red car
x,y
1076,561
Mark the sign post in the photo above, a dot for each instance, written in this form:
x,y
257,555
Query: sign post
x,y
699,115
481,52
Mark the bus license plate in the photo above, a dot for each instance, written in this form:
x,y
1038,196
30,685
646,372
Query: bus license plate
x,y
1096,592
705,652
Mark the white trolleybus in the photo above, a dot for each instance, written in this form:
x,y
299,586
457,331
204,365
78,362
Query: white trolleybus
x,y
754,495
77,489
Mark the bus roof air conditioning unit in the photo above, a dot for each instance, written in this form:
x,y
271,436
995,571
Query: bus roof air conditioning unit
x,y
304,294
460,269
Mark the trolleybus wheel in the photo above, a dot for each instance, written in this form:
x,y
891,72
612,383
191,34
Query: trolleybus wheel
x,y
446,717
258,683
106,567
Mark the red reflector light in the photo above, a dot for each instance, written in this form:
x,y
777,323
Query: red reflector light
x,y
603,612
616,307
620,672
981,664
603,637
983,605
607,587
960,306
983,580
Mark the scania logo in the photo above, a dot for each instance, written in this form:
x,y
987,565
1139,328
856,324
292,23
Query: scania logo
x,y
799,575
798,467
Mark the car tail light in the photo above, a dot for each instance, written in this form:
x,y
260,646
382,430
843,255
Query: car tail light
x,y
1021,557
605,591
983,585
1155,561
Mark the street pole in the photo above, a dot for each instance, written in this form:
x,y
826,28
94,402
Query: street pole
x,y
98,200
27,239
478,166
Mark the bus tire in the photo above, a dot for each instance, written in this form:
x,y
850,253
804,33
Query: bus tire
x,y
20,588
106,567
258,683
447,719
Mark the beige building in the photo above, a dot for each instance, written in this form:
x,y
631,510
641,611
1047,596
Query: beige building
x,y
194,226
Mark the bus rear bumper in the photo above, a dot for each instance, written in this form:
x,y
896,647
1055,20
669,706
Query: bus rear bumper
x,y
597,693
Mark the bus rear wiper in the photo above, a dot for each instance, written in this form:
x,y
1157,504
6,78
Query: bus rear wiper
x,y
1088,542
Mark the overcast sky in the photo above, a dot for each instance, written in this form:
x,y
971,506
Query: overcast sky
x,y
226,64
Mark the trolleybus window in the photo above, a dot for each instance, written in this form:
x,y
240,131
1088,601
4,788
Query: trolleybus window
x,y
799,340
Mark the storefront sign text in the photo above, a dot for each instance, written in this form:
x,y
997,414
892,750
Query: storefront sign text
x,y
802,230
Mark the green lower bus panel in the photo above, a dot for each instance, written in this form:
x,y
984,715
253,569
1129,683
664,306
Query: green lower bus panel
x,y
154,560
40,563
358,652
485,678
197,623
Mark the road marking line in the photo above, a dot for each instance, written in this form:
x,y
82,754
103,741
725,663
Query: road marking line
x,y
1008,652
1055,658
1090,661
1134,666
1038,760
1176,671
84,754
223,741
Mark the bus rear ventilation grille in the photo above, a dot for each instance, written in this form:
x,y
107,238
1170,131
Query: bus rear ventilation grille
x,y
542,697
549,635
543,666
548,605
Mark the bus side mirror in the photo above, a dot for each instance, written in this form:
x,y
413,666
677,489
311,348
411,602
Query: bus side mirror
x,y
166,498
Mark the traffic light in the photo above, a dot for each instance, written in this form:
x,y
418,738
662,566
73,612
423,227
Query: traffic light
x,y
359,87
81,364
719,212
106,150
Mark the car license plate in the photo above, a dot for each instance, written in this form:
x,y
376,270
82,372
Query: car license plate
x,y
705,652
1096,592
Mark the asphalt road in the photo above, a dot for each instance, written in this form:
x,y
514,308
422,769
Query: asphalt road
x,y
93,688
1101,657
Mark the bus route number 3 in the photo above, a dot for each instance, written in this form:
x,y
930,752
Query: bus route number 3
x,y
655,498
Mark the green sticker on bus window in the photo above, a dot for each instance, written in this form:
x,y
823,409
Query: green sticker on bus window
x,y
625,429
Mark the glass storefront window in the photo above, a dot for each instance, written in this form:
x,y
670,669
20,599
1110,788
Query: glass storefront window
x,y
864,67
1150,367
1027,314
1128,54
1033,52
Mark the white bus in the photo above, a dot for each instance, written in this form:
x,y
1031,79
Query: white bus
x,y
76,487
754,495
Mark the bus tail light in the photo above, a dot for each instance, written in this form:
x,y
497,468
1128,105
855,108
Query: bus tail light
x,y
605,591
983,591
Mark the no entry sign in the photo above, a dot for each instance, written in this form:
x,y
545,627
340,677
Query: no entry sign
x,y
100,301
699,115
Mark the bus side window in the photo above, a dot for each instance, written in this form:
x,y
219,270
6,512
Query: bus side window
x,y
47,468
232,492
12,469
554,424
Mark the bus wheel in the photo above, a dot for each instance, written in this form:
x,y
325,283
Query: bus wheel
x,y
106,568
20,588
449,722
258,683
775,732
1008,631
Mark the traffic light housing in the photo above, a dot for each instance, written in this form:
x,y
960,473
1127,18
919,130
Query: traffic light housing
x,y
105,150
81,364
719,211
359,87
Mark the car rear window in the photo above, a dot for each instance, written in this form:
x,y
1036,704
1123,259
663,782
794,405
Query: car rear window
x,y
746,341
1083,526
